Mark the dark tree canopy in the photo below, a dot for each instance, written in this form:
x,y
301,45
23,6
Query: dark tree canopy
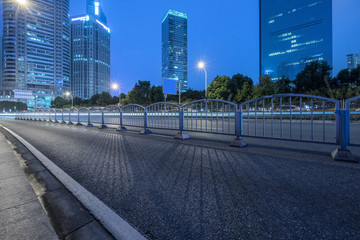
x,y
315,76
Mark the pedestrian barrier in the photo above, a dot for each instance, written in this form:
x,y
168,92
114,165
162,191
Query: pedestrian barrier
x,y
134,115
291,117
52,116
58,116
210,116
353,112
295,117
112,115
163,115
84,117
95,115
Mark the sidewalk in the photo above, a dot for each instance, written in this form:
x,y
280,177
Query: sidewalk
x,y
21,214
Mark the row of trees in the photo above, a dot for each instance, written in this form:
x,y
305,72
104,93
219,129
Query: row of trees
x,y
314,80
7,106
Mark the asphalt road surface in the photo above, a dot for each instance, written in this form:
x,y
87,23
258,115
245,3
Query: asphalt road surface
x,y
202,189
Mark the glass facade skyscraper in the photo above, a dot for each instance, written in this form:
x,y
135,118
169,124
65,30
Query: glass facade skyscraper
x,y
353,60
90,52
292,34
174,48
36,50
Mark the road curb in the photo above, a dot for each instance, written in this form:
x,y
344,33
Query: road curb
x,y
113,223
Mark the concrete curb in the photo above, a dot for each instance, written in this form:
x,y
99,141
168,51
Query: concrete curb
x,y
117,226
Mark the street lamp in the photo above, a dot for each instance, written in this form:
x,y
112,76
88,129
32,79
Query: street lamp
x,y
22,2
201,65
116,87
68,94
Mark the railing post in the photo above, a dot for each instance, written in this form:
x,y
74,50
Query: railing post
x,y
102,126
62,117
89,120
145,130
121,128
181,135
342,132
70,123
50,116
78,119
238,142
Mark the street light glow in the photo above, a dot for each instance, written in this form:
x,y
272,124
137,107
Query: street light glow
x,y
115,86
201,65
67,94
22,2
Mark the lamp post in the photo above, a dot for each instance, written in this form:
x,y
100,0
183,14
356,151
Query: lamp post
x,y
201,65
116,87
69,94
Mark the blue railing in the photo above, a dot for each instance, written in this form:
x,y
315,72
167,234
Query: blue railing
x,y
295,117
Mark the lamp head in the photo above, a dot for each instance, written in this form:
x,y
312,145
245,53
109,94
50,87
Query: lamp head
x,y
22,2
115,86
201,65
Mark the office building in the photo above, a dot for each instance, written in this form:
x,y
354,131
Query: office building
x,y
292,34
353,61
174,48
90,52
36,51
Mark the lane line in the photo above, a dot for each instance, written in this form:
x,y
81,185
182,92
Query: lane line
x,y
116,225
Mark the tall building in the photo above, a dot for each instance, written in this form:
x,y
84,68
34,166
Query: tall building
x,y
90,52
174,48
36,51
353,60
292,34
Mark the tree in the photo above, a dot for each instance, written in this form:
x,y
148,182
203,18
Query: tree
x,y
237,83
156,94
104,99
192,95
245,93
265,87
93,100
59,102
139,94
347,78
219,88
7,106
315,76
283,86
78,101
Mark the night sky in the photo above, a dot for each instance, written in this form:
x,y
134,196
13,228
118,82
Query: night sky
x,y
225,34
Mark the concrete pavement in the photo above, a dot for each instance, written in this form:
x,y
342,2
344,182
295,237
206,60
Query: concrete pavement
x,y
21,214
201,189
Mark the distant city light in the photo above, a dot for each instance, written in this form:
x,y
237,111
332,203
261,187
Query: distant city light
x,y
105,27
97,4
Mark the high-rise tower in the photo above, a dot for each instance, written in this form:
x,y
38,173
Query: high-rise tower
x,y
90,52
36,50
174,48
292,34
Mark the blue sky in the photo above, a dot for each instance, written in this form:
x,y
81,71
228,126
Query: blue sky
x,y
225,34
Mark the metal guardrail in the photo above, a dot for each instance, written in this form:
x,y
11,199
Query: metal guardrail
x,y
291,117
351,104
163,115
210,116
296,117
